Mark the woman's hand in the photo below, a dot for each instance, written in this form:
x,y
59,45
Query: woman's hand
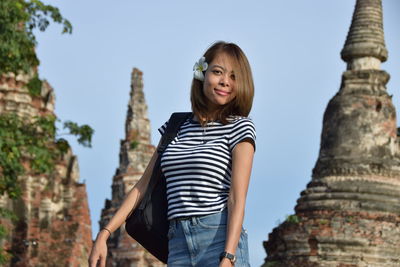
x,y
99,250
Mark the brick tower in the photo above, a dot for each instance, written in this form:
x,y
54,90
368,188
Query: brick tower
x,y
135,153
349,214
53,226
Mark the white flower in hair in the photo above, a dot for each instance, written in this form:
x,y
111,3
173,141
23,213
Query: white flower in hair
x,y
198,69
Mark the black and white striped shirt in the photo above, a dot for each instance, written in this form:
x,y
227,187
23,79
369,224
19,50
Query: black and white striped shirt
x,y
197,165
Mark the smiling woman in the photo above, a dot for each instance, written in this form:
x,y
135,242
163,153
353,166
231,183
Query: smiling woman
x,y
219,85
228,86
207,168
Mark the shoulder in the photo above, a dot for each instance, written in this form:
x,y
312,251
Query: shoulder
x,y
243,129
239,121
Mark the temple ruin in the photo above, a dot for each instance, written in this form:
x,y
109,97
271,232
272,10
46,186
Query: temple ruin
x,y
349,214
135,153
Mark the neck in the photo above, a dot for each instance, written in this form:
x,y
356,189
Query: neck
x,y
207,118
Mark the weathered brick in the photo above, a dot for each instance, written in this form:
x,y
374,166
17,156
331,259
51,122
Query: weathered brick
x,y
54,227
123,250
350,211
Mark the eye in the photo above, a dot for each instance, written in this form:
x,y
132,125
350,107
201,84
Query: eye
x,y
217,72
233,77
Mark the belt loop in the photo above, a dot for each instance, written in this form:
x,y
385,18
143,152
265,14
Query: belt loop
x,y
194,220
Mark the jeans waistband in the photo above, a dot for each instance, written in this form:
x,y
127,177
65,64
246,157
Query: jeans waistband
x,y
195,217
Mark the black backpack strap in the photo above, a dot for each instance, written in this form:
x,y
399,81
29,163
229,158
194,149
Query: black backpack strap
x,y
174,123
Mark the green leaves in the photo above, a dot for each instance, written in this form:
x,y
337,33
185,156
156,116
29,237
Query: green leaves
x,y
84,132
20,140
5,214
18,19
293,219
33,142
39,13
26,144
62,145
134,144
30,144
35,86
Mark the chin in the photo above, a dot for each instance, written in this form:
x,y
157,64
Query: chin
x,y
219,103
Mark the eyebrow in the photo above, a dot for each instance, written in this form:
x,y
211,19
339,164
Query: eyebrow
x,y
216,65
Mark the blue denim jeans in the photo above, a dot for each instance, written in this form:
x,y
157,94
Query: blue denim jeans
x,y
198,242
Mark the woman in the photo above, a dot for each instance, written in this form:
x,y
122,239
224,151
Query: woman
x,y
207,168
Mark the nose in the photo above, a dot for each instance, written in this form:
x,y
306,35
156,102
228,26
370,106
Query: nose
x,y
224,81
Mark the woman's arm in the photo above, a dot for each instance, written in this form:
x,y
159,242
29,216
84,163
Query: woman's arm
x,y
242,161
99,249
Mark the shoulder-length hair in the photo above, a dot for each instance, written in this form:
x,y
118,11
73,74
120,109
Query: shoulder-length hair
x,y
241,104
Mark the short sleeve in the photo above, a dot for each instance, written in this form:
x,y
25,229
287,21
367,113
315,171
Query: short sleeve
x,y
243,130
162,129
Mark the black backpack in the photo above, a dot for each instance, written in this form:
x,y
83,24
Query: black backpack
x,y
148,223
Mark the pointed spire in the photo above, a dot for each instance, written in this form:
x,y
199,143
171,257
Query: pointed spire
x,y
135,153
365,45
349,214
137,127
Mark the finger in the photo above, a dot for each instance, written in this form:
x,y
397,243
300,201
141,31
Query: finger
x,y
103,261
92,262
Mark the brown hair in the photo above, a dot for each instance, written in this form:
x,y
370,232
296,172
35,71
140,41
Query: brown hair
x,y
243,101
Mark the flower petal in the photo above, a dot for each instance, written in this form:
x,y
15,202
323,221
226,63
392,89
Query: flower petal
x,y
198,69
196,66
198,75
202,60
205,66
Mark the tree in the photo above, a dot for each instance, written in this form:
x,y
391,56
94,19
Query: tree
x,y
22,140
18,19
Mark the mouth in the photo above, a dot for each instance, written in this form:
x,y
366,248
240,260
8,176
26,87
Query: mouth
x,y
222,92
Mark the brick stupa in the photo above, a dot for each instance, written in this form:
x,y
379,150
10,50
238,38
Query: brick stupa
x,y
53,226
349,214
135,153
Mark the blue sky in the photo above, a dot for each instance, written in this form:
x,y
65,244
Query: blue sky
x,y
293,47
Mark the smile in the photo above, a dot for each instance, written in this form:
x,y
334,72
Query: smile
x,y
222,92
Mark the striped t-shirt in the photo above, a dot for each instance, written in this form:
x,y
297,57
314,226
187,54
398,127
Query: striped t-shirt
x,y
197,165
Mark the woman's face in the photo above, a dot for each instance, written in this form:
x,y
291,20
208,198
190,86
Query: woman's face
x,y
219,82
